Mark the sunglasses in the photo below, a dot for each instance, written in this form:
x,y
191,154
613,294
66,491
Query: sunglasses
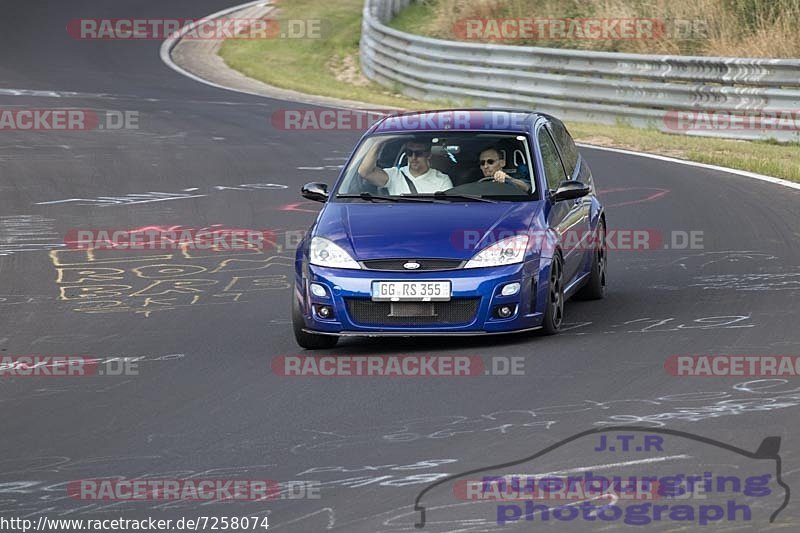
x,y
488,161
417,153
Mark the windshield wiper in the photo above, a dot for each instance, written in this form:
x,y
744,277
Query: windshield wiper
x,y
368,196
403,198
465,196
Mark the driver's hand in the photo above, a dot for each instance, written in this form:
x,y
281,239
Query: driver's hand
x,y
500,176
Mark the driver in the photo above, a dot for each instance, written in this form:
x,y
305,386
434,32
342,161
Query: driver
x,y
416,177
492,163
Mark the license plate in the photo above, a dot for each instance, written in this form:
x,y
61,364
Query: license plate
x,y
410,291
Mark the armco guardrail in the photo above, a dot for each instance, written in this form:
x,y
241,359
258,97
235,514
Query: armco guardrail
x,y
666,92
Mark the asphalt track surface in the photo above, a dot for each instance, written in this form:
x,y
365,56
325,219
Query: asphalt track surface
x,y
205,403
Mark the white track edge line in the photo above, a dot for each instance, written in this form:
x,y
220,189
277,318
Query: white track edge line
x,y
744,173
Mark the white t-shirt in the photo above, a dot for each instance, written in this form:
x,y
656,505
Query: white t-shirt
x,y
430,182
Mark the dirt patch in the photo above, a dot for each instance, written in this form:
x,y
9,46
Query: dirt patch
x,y
346,70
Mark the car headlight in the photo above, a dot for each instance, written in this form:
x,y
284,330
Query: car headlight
x,y
324,253
506,252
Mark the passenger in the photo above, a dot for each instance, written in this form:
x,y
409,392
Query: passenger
x,y
416,177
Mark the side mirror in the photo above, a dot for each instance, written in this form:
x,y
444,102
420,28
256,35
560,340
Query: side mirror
x,y
315,191
570,190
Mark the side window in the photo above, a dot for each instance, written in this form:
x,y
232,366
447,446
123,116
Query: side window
x,y
553,170
569,152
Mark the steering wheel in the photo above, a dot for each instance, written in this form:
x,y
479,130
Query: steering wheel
x,y
498,182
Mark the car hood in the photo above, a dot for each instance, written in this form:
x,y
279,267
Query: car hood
x,y
422,230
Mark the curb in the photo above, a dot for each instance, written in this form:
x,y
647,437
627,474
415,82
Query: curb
x,y
223,77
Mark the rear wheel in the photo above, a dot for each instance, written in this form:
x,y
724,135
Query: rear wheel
x,y
595,287
309,341
554,312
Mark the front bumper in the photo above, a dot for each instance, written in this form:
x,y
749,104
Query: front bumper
x,y
471,310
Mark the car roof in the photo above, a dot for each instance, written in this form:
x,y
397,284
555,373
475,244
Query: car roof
x,y
472,119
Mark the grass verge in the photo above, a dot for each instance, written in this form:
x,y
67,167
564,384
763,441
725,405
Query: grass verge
x,y
329,66
735,28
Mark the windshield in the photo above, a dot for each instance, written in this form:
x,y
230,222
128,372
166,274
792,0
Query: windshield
x,y
438,167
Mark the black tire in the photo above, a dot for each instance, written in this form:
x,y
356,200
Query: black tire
x,y
554,312
309,341
595,288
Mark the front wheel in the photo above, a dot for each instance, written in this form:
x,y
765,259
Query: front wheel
x,y
595,288
309,341
554,313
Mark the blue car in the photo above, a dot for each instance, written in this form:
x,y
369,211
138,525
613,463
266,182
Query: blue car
x,y
451,222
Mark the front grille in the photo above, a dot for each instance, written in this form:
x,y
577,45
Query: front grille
x,y
396,265
367,312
